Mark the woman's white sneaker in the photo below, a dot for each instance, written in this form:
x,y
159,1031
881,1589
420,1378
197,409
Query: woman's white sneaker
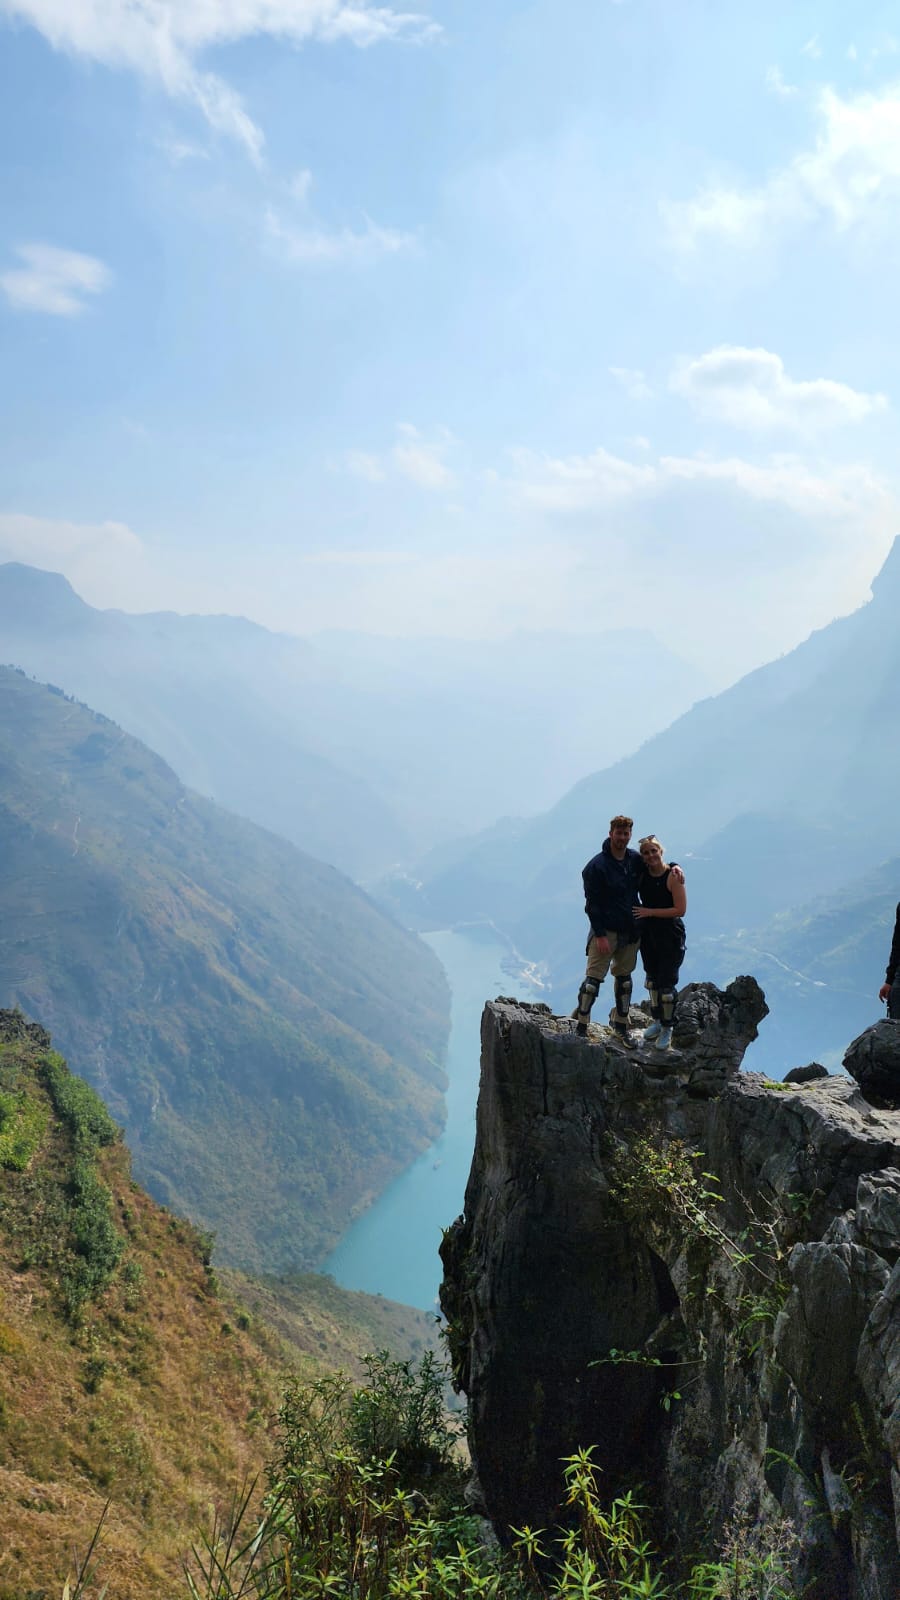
x,y
653,1031
665,1039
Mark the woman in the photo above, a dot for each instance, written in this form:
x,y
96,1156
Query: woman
x,y
663,904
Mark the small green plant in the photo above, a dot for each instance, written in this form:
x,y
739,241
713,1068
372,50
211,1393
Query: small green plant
x,y
664,1182
76,1585
132,1279
95,1370
639,1358
754,1563
23,1123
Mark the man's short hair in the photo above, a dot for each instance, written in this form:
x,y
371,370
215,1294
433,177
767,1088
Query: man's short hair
x,y
620,822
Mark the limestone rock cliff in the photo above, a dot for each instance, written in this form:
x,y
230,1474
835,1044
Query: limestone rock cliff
x,y
693,1270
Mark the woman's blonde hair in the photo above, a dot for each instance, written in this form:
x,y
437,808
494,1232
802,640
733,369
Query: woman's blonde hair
x,y
650,838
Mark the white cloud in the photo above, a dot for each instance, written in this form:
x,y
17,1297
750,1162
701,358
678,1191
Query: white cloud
x,y
850,173
421,460
776,85
751,389
54,281
161,40
414,456
300,186
751,554
177,151
633,382
577,483
310,241
845,494
361,464
43,539
601,482
812,48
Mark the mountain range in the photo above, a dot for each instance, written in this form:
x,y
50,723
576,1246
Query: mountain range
x,y
271,1041
363,751
777,792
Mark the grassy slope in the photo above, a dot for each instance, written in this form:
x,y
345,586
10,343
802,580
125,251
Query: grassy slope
x,y
269,1039
160,1396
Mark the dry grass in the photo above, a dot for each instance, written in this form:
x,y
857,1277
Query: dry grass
x,y
159,1400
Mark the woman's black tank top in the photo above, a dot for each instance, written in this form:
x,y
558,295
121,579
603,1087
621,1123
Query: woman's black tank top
x,y
654,891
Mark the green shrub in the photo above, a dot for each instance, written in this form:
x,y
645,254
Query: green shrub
x,y
401,1412
77,1105
23,1123
339,1522
96,1244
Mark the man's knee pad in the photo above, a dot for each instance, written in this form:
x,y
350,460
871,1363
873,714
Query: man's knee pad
x,y
587,994
623,987
654,1002
667,1005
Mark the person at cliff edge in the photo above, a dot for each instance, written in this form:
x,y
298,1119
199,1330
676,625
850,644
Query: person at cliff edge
x,y
610,896
890,989
660,913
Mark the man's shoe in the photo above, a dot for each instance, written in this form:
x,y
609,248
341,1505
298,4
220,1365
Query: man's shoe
x,y
652,1032
665,1039
624,1038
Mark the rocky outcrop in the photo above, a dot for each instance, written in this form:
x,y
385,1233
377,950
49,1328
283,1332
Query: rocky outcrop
x,y
874,1061
693,1270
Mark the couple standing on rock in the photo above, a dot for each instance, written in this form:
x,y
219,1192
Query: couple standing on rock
x,y
633,902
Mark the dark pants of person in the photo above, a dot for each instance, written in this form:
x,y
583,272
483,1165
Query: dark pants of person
x,y
662,952
893,1005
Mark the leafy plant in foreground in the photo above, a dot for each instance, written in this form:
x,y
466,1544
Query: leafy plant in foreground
x,y
338,1523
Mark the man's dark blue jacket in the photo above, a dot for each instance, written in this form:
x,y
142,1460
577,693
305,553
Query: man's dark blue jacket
x,y
610,891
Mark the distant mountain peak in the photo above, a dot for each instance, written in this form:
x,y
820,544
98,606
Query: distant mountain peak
x,y
887,584
29,594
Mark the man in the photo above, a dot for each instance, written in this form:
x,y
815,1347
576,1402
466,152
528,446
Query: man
x,y
610,893
890,989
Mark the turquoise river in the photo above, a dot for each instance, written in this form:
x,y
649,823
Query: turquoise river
x,y
392,1249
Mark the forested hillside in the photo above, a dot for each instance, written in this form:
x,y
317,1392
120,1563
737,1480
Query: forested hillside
x,y
271,1042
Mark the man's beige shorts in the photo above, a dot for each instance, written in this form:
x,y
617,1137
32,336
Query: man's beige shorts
x,y
621,957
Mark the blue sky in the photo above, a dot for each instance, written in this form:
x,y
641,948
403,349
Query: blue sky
x,y
451,318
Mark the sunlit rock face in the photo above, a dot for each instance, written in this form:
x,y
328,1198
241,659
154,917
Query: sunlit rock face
x,y
695,1272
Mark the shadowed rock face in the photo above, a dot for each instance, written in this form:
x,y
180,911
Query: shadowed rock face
x,y
874,1061
769,1292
